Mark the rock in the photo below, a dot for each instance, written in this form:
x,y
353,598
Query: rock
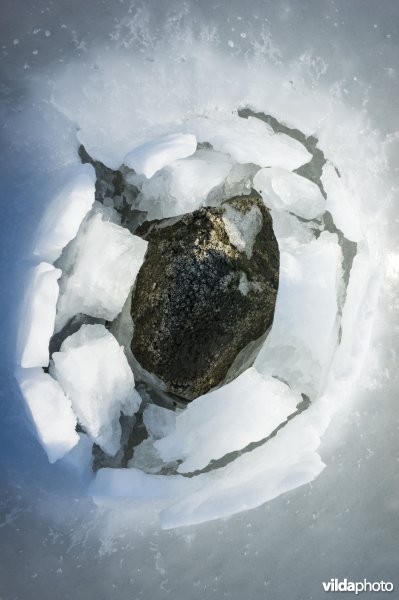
x,y
206,289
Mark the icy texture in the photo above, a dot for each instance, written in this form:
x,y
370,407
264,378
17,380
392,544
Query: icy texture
x,y
50,411
283,190
250,141
93,371
38,316
100,267
65,213
212,425
152,156
300,345
285,462
183,185
242,228
340,203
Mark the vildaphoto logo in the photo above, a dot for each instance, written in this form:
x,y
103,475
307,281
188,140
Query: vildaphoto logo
x,y
336,585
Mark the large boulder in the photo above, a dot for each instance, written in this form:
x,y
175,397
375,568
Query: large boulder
x,y
206,289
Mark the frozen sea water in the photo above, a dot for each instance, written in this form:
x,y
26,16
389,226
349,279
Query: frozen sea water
x,y
325,69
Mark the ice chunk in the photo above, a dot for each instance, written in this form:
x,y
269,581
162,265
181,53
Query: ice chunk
x,y
100,267
93,371
65,213
242,228
283,190
183,185
38,316
250,141
341,204
301,341
212,425
152,156
283,463
159,421
50,411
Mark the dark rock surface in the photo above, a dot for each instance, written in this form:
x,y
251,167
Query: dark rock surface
x,y
207,288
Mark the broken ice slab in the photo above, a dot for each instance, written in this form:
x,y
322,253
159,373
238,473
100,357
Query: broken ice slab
x,y
50,412
37,316
283,190
212,425
99,269
183,185
304,331
150,157
250,141
93,371
65,213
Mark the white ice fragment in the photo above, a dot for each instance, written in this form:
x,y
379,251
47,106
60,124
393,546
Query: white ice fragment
x,y
242,228
250,141
38,316
65,213
283,190
150,157
182,186
340,204
301,341
212,425
50,411
100,268
93,371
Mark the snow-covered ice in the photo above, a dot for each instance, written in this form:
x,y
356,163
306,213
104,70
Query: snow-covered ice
x,y
150,157
283,190
212,425
50,412
65,213
93,371
99,269
38,316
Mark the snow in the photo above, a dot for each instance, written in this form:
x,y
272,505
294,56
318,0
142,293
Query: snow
x,y
100,268
182,186
37,316
150,157
283,190
242,228
250,141
212,425
64,214
93,371
50,411
300,344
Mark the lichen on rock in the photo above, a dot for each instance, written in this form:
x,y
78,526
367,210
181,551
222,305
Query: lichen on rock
x,y
206,289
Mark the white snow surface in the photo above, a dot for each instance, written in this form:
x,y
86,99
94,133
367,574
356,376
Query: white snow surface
x,y
283,190
212,425
64,214
99,269
50,412
150,157
37,316
93,371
